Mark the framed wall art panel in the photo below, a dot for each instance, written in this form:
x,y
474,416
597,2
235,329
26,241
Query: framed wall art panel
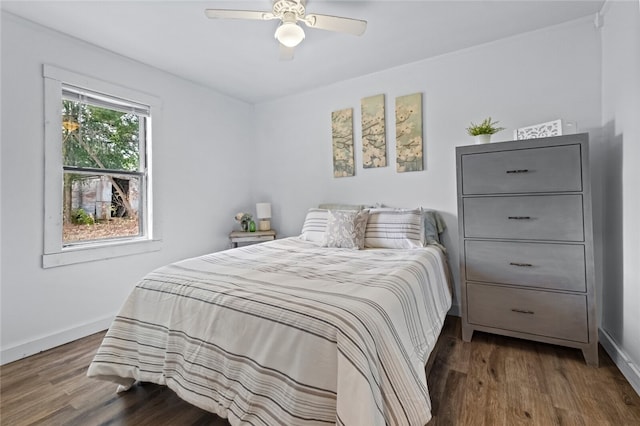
x,y
409,156
342,136
374,141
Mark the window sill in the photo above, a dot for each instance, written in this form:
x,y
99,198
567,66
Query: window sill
x,y
102,251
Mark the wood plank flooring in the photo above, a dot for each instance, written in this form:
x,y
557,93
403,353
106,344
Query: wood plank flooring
x,y
492,380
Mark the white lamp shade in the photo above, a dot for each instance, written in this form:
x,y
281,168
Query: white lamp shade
x,y
263,210
289,34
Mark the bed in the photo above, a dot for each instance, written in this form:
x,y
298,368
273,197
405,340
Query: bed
x,y
287,332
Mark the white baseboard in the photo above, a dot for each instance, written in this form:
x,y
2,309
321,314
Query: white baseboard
x,y
629,369
23,350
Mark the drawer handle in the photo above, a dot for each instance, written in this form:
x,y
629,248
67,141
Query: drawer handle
x,y
518,171
520,264
522,311
520,217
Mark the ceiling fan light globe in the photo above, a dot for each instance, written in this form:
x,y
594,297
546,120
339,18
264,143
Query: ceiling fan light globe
x,y
289,34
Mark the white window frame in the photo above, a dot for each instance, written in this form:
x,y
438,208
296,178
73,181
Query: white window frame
x,y
55,252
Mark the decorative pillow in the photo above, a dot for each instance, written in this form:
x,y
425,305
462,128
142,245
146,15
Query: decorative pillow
x,y
394,228
315,224
345,229
434,225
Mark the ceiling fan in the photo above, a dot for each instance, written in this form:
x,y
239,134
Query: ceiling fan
x,y
290,12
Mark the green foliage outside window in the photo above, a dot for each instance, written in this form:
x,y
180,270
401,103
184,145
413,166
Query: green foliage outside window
x,y
104,138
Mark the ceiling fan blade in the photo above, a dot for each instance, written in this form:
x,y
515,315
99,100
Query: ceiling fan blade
x,y
238,14
286,53
335,23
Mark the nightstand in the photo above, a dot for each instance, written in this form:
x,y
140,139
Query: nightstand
x,y
237,237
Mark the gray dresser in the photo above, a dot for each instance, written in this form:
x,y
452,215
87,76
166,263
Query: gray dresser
x,y
526,241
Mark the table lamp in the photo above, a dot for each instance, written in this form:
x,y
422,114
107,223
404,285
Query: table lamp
x,y
263,212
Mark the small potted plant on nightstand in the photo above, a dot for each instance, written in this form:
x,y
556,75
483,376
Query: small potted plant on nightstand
x,y
484,130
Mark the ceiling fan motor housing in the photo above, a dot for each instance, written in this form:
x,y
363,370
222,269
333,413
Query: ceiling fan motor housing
x,y
280,7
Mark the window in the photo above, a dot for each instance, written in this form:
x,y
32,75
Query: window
x,y
98,192
104,172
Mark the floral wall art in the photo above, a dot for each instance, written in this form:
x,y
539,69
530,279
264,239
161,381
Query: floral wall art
x,y
409,133
374,142
342,136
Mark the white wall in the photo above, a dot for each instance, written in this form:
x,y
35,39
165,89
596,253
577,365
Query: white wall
x,y
532,78
198,179
621,132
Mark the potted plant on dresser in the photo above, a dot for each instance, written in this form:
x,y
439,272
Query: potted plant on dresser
x,y
483,131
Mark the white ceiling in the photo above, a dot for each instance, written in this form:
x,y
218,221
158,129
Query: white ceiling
x,y
240,58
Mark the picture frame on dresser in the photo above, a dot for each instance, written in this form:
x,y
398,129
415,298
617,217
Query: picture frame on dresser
x,y
526,241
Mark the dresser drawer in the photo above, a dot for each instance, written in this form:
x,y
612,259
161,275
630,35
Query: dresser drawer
x,y
548,169
557,315
551,266
548,217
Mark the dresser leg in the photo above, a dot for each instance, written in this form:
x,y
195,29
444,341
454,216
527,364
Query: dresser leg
x,y
590,354
467,333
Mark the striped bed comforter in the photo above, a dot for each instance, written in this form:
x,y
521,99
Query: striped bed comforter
x,y
287,333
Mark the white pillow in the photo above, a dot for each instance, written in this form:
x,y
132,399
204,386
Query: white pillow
x,y
345,229
394,228
315,224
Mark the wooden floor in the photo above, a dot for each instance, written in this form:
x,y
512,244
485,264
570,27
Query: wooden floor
x,y
491,381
